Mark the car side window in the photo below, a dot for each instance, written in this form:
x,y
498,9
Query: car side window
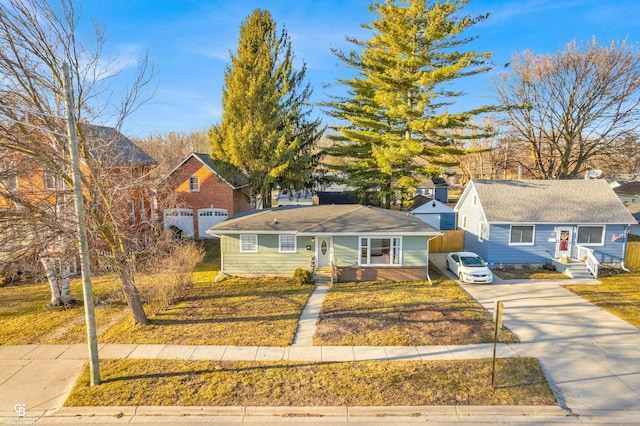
x,y
455,258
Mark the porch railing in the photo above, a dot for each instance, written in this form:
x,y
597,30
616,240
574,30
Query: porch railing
x,y
590,260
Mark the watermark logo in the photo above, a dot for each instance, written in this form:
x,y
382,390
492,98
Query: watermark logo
x,y
21,409
21,419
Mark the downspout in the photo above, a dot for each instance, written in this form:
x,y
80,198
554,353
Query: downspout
x,y
429,239
626,247
221,274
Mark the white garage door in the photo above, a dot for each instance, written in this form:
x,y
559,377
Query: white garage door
x,y
209,217
182,219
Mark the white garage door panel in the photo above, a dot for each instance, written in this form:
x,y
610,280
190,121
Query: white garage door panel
x,y
181,219
209,217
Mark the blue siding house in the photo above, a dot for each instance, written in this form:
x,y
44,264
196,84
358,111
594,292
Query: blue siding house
x,y
536,221
433,212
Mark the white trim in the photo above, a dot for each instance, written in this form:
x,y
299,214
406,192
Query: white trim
x,y
398,238
481,231
295,244
519,243
254,250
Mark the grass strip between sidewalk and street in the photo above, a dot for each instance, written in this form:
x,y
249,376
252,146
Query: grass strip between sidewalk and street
x,y
519,381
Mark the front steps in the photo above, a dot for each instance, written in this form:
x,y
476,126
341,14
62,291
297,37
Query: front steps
x,y
574,269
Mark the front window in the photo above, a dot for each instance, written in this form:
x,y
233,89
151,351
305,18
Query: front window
x,y
248,243
521,235
194,184
50,182
132,213
8,177
143,215
591,235
380,251
287,243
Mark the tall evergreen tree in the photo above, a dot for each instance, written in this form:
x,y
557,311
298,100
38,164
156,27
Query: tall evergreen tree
x,y
394,121
266,132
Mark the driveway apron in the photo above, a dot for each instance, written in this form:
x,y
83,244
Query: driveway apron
x,y
590,356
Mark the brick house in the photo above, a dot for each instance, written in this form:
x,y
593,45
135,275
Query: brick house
x,y
195,196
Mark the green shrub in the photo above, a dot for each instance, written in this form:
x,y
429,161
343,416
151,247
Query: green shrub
x,y
302,277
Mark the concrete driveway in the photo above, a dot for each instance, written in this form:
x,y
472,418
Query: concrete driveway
x,y
590,357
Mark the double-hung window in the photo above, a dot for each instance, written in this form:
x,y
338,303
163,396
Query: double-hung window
x,y
287,244
380,250
248,243
591,235
194,184
521,235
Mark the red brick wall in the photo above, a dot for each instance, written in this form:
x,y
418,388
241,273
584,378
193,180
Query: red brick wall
x,y
214,191
381,273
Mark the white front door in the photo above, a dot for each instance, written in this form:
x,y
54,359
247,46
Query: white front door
x,y
563,242
324,252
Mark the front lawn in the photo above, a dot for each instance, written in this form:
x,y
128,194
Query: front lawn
x,y
519,381
618,294
233,312
404,314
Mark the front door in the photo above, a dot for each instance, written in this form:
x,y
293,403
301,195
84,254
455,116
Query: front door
x,y
563,242
324,249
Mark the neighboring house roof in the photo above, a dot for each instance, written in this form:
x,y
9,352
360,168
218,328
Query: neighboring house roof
x,y
423,204
549,201
634,209
433,183
113,147
631,189
327,219
235,182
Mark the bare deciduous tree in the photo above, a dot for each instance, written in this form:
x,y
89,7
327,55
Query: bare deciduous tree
x,y
36,38
572,106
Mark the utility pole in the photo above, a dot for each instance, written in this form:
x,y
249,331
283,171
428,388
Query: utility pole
x,y
83,244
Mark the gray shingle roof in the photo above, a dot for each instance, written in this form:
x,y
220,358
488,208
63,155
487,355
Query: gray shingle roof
x,y
235,179
326,219
114,148
550,201
630,189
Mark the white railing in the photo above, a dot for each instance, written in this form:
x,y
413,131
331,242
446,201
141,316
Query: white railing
x,y
590,260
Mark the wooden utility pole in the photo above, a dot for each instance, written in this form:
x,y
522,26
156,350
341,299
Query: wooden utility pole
x,y
83,244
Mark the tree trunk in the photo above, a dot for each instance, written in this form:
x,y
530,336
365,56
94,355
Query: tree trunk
x,y
127,278
58,282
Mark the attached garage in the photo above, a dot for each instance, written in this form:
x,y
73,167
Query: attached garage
x,y
182,219
208,218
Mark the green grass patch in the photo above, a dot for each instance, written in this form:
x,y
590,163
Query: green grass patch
x,y
232,312
618,294
519,381
404,314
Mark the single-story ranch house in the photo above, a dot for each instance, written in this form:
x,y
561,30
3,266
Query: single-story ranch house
x,y
361,243
535,221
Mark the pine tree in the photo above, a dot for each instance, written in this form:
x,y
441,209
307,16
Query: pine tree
x,y
266,132
396,109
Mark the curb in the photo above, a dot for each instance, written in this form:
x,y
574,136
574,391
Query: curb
x,y
320,411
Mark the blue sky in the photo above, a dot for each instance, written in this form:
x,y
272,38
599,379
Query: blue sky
x,y
189,43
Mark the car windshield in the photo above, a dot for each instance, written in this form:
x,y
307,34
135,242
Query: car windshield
x,y
471,261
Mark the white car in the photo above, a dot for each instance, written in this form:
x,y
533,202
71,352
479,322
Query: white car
x,y
469,267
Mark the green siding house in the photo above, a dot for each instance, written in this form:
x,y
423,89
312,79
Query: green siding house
x,y
350,242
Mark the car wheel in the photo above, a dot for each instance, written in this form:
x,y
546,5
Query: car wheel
x,y
447,264
460,276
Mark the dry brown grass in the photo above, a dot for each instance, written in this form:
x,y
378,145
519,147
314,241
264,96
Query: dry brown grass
x,y
232,312
618,294
404,314
519,381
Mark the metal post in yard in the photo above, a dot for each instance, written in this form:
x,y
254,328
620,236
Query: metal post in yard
x,y
82,233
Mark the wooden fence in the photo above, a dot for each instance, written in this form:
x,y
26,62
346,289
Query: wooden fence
x,y
450,241
633,255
